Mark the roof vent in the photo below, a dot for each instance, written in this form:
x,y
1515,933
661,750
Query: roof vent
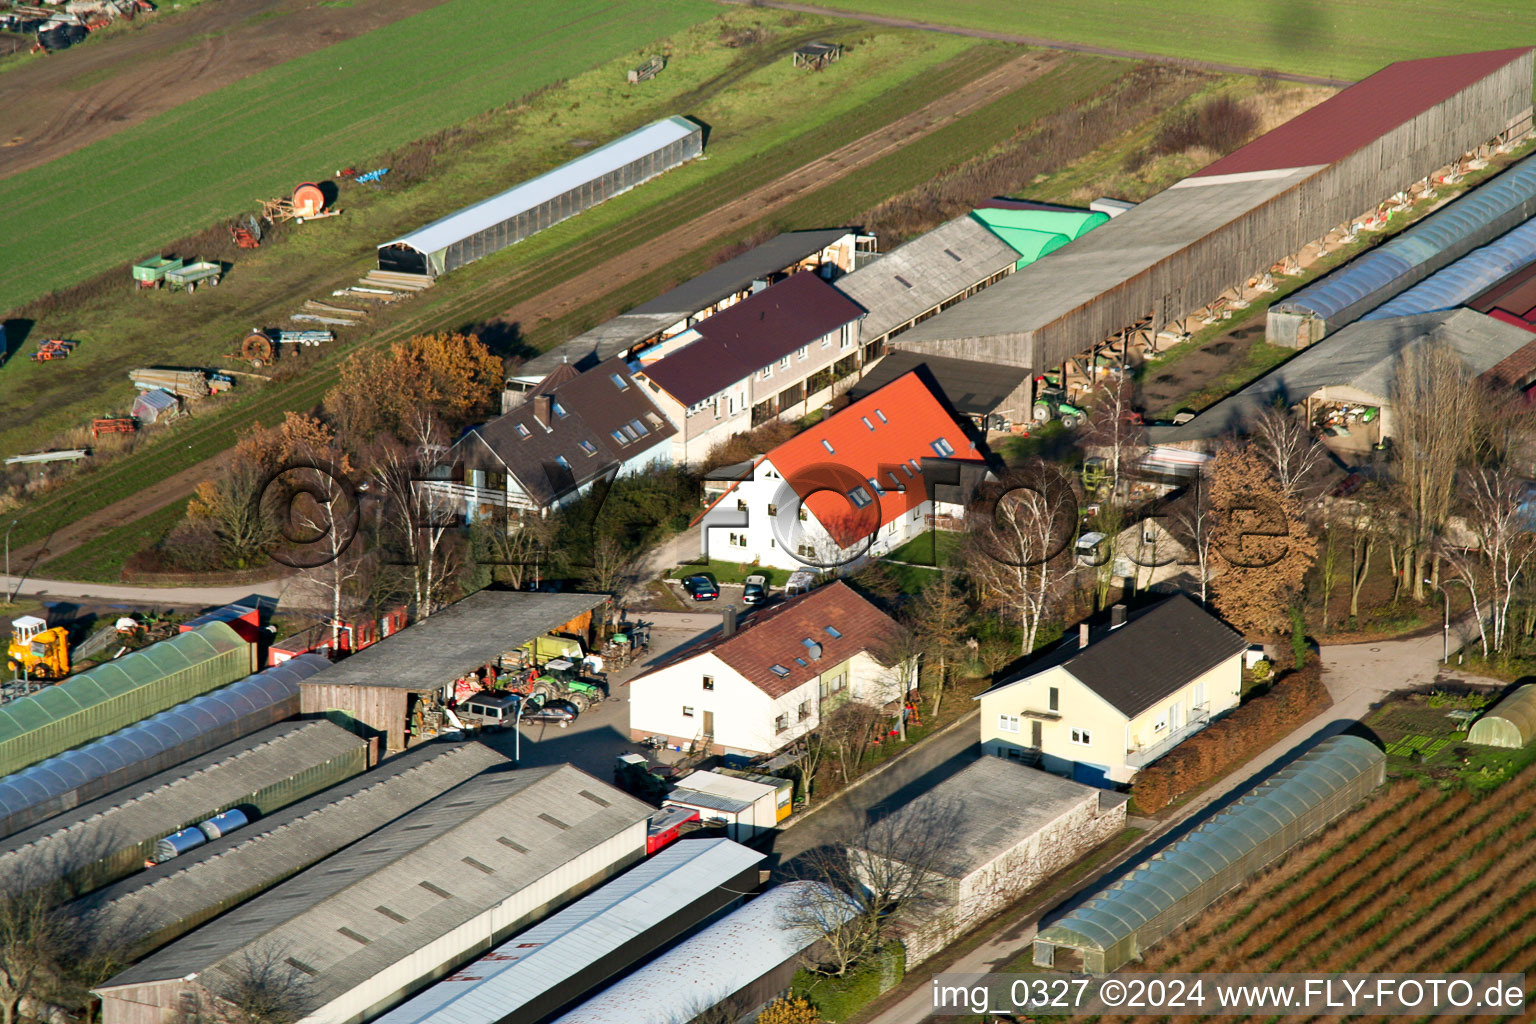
x,y
728,621
815,651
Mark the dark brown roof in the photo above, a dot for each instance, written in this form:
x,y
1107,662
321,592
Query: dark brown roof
x,y
739,341
776,637
1363,112
1159,649
616,422
972,388
554,378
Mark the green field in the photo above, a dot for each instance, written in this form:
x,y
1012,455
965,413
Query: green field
x,y
1339,39
213,157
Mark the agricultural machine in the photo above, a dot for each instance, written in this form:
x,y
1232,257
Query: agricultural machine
x,y
36,650
116,425
260,347
151,273
53,348
1051,404
247,233
306,203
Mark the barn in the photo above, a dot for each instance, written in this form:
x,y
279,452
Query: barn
x,y
511,216
1182,248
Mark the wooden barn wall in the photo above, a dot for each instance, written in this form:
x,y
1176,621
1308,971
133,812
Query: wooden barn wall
x,y
380,708
1278,228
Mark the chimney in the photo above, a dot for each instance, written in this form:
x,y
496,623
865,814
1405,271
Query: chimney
x,y
543,409
728,621
1082,636
1116,616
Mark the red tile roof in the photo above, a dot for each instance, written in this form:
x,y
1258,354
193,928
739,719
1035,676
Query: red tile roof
x,y
776,637
1363,112
877,436
752,334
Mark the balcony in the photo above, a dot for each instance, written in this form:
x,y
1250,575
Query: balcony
x,y
1199,718
463,492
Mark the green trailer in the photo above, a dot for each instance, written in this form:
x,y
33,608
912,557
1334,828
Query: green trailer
x,y
151,272
193,274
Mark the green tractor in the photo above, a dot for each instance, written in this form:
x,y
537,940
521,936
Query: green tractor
x,y
1051,404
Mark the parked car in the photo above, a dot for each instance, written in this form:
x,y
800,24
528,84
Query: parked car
x,y
558,712
755,590
701,587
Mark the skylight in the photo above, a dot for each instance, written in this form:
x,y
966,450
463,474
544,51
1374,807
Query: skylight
x,y
942,448
905,469
522,431
559,409
865,420
588,447
639,428
808,642
874,485
952,255
903,281
800,662
561,460
880,415
618,437
619,382
779,670
832,632
828,446
860,497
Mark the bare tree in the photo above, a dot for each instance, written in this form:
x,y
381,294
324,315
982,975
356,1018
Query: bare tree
x,y
51,954
259,986
614,568
1115,432
326,511
936,620
419,516
230,504
1194,520
1285,442
1495,497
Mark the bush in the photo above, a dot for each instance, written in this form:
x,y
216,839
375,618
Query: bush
x,y
789,1011
1296,696
839,998
1221,124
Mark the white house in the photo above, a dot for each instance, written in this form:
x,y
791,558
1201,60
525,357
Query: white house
x,y
753,688
859,484
1101,708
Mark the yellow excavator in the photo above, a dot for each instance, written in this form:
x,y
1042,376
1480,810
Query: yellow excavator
x,y
36,650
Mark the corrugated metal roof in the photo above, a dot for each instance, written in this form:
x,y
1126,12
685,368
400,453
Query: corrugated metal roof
x,y
932,268
1475,272
972,387
1367,110
487,213
737,274
557,952
1156,885
121,755
173,799
519,826
713,965
1473,219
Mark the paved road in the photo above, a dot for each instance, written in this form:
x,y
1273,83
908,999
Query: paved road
x,y
290,593
1357,675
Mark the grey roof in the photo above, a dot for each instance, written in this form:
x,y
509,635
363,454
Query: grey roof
x,y
621,152
563,950
438,868
463,636
713,801
173,799
1158,650
713,965
608,339
989,808
972,388
595,408
1362,356
1128,246
155,904
932,268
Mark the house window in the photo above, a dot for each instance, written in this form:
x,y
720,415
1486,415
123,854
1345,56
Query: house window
x,y
805,710
709,682
781,723
1008,723
784,363
1199,695
522,431
1082,737
1055,699
687,711
619,382
1160,723
765,373
588,447
805,551
942,448
826,341
833,684
803,353
773,509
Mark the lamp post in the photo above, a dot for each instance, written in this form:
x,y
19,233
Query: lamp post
x,y
517,733
9,594
1445,632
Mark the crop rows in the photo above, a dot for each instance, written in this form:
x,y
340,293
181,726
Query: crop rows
x,y
1414,880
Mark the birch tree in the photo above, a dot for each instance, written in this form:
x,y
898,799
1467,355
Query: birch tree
x,y
1285,442
1503,528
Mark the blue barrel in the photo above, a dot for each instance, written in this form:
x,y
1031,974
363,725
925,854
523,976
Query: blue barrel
x,y
178,843
223,824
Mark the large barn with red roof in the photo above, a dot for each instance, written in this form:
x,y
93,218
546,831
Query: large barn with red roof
x,y
859,484
1180,249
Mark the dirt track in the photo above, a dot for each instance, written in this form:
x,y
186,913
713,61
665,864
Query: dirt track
x,y
745,209
162,62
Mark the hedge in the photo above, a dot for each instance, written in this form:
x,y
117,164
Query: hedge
x,y
839,998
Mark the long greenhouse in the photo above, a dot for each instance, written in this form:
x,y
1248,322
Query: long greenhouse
x,y
511,216
1509,723
1118,923
153,745
106,698
1474,273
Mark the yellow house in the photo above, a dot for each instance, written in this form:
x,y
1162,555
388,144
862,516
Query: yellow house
x,y
1104,705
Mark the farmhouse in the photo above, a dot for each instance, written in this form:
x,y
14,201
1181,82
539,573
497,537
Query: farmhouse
x,y
511,216
1180,249
858,484
1101,708
378,921
1117,924
753,688
777,353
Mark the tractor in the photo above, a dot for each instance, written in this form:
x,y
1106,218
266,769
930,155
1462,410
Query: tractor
x,y
36,650
1051,404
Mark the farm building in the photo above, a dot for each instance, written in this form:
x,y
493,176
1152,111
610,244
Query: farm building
x,y
153,745
1364,283
162,903
775,354
1345,381
1011,827
1509,723
118,693
112,836
1116,924
923,277
829,252
375,923
502,220
395,689
1180,249
153,404
244,617
746,807
1469,276
552,965
744,961
1033,232
977,391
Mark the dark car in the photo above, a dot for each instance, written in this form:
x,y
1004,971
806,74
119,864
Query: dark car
x,y
701,588
559,712
755,590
